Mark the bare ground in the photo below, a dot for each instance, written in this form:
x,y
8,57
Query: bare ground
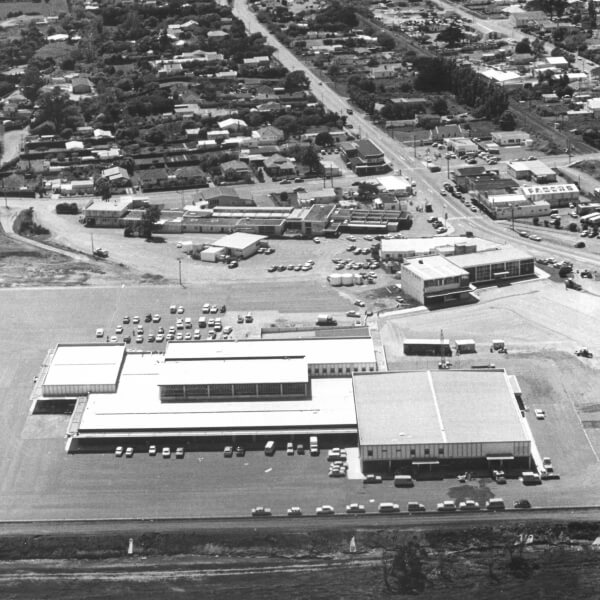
x,y
484,563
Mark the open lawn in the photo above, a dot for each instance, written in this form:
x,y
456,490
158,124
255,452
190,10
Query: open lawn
x,y
46,8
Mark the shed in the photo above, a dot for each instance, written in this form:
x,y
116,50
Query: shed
x,y
465,346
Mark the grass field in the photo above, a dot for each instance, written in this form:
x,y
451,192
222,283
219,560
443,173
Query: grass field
x,y
47,8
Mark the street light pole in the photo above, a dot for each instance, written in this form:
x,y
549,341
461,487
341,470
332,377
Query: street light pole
x,y
448,166
179,261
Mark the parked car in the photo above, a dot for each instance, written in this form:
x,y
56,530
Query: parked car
x,y
523,503
166,452
468,505
152,450
290,449
370,478
119,451
388,507
415,507
129,452
228,451
294,511
447,506
261,511
240,451
180,452
539,414
326,509
355,508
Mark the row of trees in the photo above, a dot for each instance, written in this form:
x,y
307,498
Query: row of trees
x,y
439,74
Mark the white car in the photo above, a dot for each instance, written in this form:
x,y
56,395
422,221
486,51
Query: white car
x,y
294,511
166,452
261,511
129,452
99,332
326,509
540,414
119,451
180,310
446,506
290,449
355,508
152,450
468,505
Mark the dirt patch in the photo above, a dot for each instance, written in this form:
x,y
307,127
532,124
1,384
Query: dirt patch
x,y
507,562
589,167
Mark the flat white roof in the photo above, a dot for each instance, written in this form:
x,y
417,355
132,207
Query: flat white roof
x,y
437,407
433,267
500,76
92,364
489,257
422,246
216,371
556,188
117,204
316,350
238,240
136,406
535,166
394,182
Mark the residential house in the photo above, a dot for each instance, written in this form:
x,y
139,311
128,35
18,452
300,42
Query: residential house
x,y
117,176
81,85
269,135
235,169
232,124
279,166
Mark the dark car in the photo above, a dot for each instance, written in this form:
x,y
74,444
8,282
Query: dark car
x,y
223,308
148,318
127,339
580,245
300,449
522,504
228,451
372,479
240,451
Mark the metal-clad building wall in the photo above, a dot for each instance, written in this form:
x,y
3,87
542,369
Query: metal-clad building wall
x,y
79,389
442,451
340,369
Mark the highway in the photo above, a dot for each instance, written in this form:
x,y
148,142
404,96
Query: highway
x,y
421,521
402,157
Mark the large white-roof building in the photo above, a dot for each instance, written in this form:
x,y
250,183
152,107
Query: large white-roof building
x,y
414,418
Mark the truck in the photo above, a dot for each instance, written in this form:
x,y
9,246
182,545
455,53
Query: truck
x,y
100,253
326,320
314,445
530,478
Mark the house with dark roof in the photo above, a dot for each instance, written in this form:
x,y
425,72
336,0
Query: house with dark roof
x,y
279,166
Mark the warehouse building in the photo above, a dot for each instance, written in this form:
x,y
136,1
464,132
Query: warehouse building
x,y
238,245
213,390
534,170
556,195
430,421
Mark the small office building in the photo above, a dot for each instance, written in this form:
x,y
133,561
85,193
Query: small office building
x,y
240,245
434,280
495,265
534,170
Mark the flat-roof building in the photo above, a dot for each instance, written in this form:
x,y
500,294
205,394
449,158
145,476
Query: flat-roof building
x,y
81,369
240,245
556,195
535,170
414,419
434,280
497,264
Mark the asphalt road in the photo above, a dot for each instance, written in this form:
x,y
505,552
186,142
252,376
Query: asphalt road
x,y
403,520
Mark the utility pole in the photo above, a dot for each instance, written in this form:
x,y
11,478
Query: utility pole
x,y
415,146
4,192
512,216
448,166
179,261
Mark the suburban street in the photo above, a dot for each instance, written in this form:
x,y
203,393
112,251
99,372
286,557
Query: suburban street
x,y
428,184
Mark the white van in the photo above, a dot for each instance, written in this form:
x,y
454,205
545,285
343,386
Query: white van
x,y
206,308
495,504
403,481
388,507
270,448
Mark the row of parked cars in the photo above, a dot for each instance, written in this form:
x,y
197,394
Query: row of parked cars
x,y
307,266
391,507
152,451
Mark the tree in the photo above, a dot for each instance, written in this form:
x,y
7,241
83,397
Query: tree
x,y
440,106
592,14
287,123
324,138
452,35
386,41
31,82
150,216
295,81
523,47
507,121
102,188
